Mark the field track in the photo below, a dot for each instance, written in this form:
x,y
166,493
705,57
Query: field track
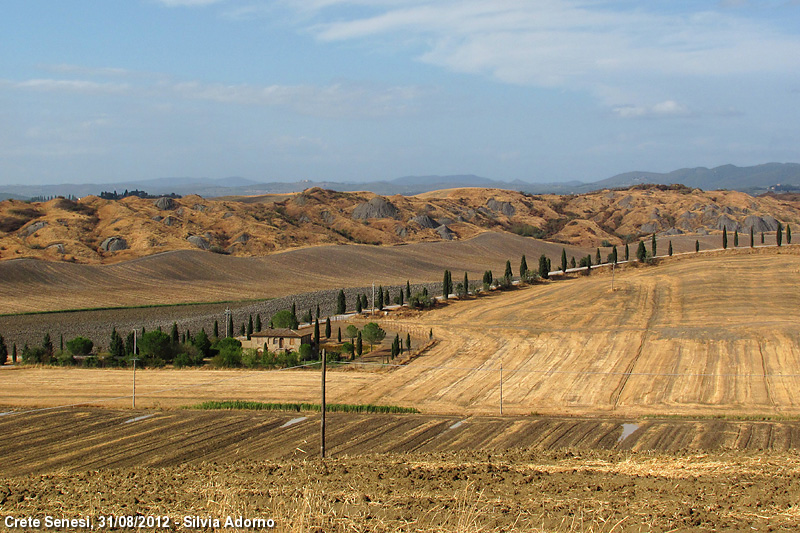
x,y
91,438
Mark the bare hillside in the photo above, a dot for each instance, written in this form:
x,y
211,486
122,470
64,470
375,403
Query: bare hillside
x,y
112,231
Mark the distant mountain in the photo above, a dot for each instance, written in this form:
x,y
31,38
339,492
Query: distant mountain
x,y
759,178
754,180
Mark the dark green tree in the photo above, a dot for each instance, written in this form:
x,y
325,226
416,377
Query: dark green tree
x,y
174,333
373,334
328,327
47,344
216,329
762,237
351,331
466,284
627,252
3,351
358,305
724,238
597,258
341,303
614,254
258,322
408,290
736,238
14,354
364,304
588,264
508,273
229,329
359,345
788,234
752,237
401,297
294,312
339,335
653,245
380,298
250,326
641,252
61,342
80,346
243,330
117,345
779,235
572,263
308,318
564,260
544,271
202,343
316,334
696,246
317,315
446,285
669,249
523,268
408,341
284,319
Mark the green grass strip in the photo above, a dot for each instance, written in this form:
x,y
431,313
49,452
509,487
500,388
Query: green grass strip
x,y
297,407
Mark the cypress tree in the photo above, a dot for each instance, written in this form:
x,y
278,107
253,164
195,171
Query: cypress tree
x,y
216,329
117,345
589,264
762,237
641,253
294,312
430,335
183,338
614,254
14,354
339,335
523,268
408,341
250,326
258,322
627,252
229,330
242,330
724,238
408,290
544,271
779,235
364,304
788,234
446,285
61,342
317,315
401,296
736,238
386,297
359,344
47,344
752,237
669,250
572,263
564,260
466,284
696,246
380,298
358,305
597,258
508,274
653,245
316,334
3,351
341,303
328,327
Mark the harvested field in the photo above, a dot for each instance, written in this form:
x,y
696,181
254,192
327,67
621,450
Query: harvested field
x,y
391,473
189,276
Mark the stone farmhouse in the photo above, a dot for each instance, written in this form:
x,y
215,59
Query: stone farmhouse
x,y
277,340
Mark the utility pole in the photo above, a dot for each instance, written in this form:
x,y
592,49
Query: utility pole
x,y
134,380
322,424
134,343
501,387
613,265
373,297
227,322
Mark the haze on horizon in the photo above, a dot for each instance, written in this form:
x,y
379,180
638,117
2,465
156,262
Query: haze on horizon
x,y
359,90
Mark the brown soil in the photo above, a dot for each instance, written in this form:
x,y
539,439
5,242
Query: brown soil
x,y
488,474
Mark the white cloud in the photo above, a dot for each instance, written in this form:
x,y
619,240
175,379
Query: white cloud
x,y
668,108
612,49
73,86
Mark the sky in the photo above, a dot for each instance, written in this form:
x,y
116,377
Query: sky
x,y
102,91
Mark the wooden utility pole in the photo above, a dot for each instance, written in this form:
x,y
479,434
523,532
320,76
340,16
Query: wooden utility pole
x,y
613,265
134,381
322,423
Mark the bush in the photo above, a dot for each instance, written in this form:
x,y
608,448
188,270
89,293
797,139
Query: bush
x,y
156,345
80,346
65,359
306,352
34,355
251,358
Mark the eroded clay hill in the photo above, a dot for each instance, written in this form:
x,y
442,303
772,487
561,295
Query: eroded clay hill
x,y
109,231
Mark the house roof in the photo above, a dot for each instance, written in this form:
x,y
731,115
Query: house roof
x,y
279,332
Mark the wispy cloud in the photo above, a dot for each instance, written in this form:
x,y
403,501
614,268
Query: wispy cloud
x,y
603,47
340,100
666,109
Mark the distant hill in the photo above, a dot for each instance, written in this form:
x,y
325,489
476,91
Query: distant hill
x,y
753,180
756,179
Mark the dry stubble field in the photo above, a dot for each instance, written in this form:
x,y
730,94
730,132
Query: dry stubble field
x,y
693,336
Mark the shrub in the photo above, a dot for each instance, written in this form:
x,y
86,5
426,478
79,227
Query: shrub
x,y
80,346
306,352
155,345
251,358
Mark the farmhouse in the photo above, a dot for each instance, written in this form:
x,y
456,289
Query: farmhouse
x,y
277,340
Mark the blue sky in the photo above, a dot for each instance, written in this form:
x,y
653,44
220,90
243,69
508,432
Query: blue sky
x,y
356,90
